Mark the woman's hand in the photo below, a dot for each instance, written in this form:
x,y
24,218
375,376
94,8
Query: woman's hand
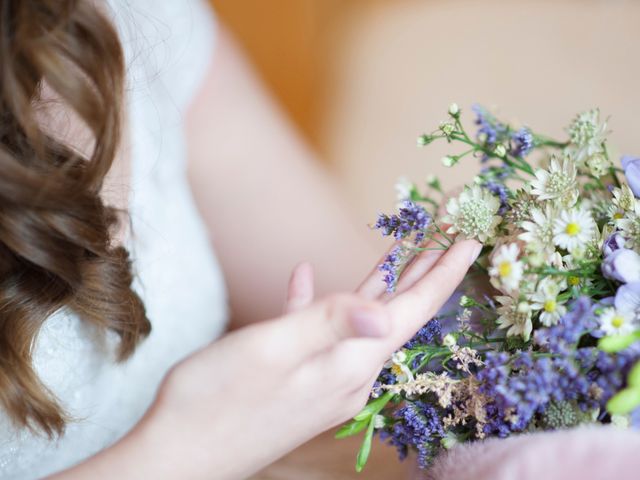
x,y
259,392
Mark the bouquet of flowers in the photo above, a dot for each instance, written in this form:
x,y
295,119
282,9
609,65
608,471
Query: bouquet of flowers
x,y
544,333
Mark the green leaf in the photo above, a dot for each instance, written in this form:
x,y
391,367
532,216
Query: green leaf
x,y
624,401
365,449
634,376
352,428
615,343
373,407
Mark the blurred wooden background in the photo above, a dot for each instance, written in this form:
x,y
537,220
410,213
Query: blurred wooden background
x,y
362,78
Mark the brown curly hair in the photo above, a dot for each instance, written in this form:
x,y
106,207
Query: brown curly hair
x,y
55,230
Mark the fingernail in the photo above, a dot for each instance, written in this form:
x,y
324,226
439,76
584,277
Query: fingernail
x,y
368,322
475,253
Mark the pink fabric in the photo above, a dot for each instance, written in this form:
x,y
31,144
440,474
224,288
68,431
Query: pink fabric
x,y
587,453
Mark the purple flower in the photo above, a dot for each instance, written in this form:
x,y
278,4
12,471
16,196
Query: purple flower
x,y
491,129
418,425
572,326
429,334
522,142
410,218
622,265
391,267
628,298
635,419
631,167
614,242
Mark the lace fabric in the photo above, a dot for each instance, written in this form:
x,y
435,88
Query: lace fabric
x,y
168,45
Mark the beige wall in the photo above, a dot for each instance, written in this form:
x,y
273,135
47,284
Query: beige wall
x,y
364,77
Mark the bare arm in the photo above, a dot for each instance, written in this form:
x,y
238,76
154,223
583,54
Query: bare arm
x,y
266,200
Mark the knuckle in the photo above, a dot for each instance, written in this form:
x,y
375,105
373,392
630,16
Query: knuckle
x,y
338,302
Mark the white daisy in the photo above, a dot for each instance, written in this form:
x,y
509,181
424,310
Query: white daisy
x,y
557,183
538,232
516,316
574,229
617,322
398,366
545,299
506,270
473,214
587,136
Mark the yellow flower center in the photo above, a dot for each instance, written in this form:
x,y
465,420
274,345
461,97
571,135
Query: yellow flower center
x,y
617,321
618,215
572,229
504,269
550,306
396,370
574,281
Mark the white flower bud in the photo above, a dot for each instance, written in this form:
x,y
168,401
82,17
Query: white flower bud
x,y
449,161
399,357
449,340
447,128
454,110
500,150
466,301
424,140
536,259
378,422
524,307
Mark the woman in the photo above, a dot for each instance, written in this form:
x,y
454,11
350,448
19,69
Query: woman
x,y
106,361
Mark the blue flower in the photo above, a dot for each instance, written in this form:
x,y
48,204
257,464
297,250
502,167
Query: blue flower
x,y
614,242
578,320
392,266
410,218
490,130
631,166
628,298
522,142
429,334
622,265
417,425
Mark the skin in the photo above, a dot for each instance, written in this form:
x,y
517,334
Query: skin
x,y
263,389
280,382
289,207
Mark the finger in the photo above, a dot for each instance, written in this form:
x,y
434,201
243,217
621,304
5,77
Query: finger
x,y
410,309
419,267
422,263
325,324
301,288
373,285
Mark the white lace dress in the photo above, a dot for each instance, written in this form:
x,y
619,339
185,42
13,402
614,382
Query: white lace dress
x,y
168,45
